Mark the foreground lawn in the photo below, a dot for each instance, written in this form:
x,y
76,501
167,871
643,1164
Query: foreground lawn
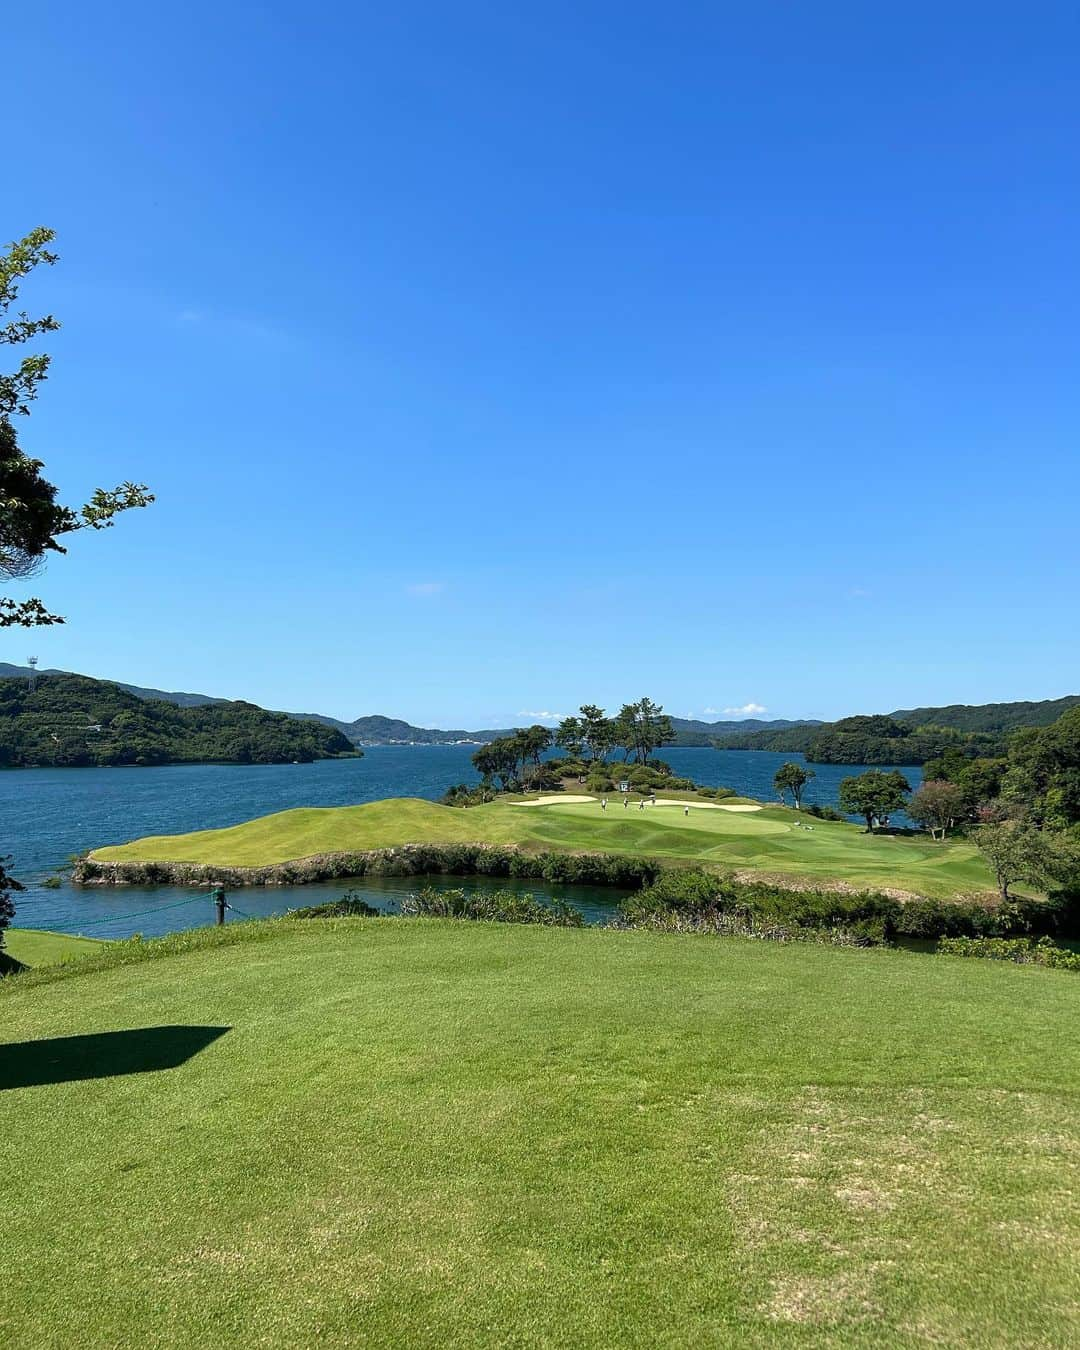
x,y
413,1133
765,841
38,947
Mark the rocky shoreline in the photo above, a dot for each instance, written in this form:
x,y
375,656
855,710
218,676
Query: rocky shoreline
x,y
406,860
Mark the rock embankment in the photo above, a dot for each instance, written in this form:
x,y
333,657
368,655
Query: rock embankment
x,y
408,860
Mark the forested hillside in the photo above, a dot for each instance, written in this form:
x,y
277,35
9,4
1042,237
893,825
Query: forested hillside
x,y
72,721
909,736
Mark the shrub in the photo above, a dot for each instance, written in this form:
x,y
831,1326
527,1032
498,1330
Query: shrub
x,y
1023,951
823,812
349,906
489,907
867,916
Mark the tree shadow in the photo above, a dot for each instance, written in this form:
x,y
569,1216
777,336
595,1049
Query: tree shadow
x,y
106,1054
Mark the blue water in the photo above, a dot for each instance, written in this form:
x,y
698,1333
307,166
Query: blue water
x,y
47,815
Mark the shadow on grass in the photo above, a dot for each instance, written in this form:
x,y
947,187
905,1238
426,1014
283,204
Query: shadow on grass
x,y
67,1059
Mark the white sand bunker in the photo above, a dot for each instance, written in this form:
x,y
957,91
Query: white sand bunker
x,y
554,801
706,806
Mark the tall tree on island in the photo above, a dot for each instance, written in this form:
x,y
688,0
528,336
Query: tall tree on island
x,y
643,727
874,796
531,742
792,777
598,733
570,736
32,522
498,759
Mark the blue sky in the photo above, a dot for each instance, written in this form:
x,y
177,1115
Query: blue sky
x,y
487,359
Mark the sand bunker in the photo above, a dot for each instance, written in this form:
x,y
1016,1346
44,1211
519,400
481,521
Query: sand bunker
x,y
568,797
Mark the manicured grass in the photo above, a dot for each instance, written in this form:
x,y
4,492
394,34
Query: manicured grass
x,y
414,1133
766,840
37,947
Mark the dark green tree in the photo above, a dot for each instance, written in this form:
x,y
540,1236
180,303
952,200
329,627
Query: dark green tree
x,y
32,522
8,887
570,736
530,743
874,796
598,733
641,728
498,759
792,777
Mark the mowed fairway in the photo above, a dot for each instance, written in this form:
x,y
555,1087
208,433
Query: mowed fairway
x,y
766,840
414,1133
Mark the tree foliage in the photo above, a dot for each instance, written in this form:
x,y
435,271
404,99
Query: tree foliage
x,y
641,728
792,777
874,796
8,887
1017,850
937,805
32,521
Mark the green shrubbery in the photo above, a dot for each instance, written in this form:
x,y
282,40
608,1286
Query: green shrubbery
x,y
823,812
868,917
489,907
1023,951
350,906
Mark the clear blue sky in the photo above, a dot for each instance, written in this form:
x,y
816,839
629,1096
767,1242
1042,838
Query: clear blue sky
x,y
490,358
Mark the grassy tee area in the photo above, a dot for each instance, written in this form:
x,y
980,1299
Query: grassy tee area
x,y
395,1132
38,947
765,840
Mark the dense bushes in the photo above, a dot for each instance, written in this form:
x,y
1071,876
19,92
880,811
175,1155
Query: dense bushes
x,y
489,907
350,906
1023,951
867,916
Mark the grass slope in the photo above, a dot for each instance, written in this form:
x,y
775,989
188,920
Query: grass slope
x,y
38,947
429,1134
766,840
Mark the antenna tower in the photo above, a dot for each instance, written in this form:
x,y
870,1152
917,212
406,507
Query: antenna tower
x,y
32,663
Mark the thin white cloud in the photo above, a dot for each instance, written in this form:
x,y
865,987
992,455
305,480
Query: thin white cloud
x,y
541,714
708,711
859,593
425,588
747,710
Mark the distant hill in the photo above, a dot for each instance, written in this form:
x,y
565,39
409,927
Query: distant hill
x,y
9,672
693,733
70,721
990,717
378,730
911,735
980,729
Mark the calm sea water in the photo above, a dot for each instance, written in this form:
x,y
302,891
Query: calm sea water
x,y
46,815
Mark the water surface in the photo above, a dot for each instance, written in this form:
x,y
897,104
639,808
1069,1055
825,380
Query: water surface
x,y
47,815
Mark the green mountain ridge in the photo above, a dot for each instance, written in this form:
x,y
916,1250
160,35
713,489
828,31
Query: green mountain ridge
x,y
71,721
376,729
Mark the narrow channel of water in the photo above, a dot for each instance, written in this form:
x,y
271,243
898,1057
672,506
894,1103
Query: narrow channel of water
x,y
113,912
